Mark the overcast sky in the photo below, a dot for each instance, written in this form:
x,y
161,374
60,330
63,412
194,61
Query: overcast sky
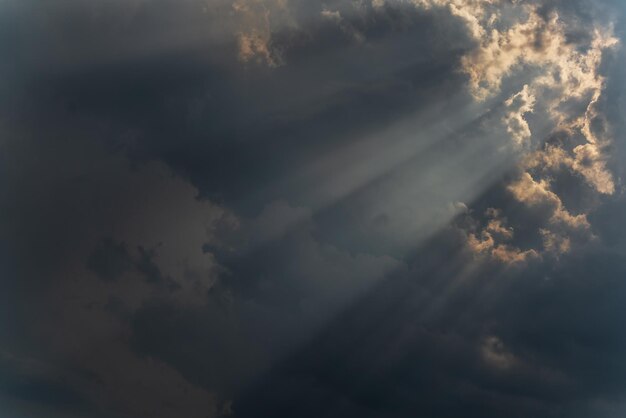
x,y
296,208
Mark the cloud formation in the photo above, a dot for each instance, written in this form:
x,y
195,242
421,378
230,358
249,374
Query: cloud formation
x,y
253,208
562,80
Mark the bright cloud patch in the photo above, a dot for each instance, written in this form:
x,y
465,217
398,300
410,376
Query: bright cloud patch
x,y
561,96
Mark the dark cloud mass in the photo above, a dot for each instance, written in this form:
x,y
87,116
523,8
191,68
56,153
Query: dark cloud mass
x,y
292,208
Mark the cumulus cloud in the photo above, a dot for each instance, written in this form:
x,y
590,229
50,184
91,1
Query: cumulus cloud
x,y
561,78
565,82
493,238
203,191
257,19
538,194
557,226
518,106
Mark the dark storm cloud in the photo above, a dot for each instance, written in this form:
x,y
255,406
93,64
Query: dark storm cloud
x,y
335,137
229,130
74,271
542,342
41,387
269,298
233,130
110,259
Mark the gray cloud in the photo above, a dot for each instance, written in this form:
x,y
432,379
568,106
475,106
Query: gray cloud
x,y
268,208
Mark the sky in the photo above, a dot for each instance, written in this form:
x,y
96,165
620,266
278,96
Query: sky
x,y
297,208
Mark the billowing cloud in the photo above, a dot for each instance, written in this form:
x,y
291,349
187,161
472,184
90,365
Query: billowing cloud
x,y
518,106
252,208
492,241
562,78
255,18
